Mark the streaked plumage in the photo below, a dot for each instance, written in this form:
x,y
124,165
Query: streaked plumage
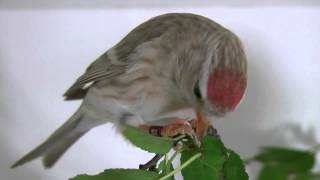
x,y
162,65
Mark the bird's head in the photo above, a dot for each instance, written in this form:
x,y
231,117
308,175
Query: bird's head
x,y
222,81
225,90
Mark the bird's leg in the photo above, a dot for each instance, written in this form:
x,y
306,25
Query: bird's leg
x,y
177,127
195,128
173,129
151,165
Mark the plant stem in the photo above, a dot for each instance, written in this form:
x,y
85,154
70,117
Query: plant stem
x,y
167,168
179,137
185,164
166,158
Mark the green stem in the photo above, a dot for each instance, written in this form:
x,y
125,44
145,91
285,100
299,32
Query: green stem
x,y
179,137
167,168
185,164
174,139
166,158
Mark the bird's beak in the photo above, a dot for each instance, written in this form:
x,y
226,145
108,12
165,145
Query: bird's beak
x,y
202,125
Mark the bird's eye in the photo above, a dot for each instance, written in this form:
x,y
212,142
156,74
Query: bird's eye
x,y
196,90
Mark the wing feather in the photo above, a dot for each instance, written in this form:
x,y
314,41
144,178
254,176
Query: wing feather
x,y
109,67
99,69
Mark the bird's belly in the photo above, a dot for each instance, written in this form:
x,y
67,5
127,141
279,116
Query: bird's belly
x,y
144,104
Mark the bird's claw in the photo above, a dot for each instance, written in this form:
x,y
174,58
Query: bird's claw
x,y
180,127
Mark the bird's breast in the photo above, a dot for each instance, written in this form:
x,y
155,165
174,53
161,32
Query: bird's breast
x,y
145,98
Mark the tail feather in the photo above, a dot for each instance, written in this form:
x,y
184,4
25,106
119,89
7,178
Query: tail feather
x,y
54,147
50,158
37,152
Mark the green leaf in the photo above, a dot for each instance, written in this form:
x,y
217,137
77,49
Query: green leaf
x,y
273,173
234,168
287,159
148,142
121,174
214,152
210,165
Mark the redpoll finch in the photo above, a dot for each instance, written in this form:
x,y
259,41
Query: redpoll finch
x,y
170,62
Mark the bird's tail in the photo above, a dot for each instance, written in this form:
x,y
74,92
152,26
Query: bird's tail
x,y
54,147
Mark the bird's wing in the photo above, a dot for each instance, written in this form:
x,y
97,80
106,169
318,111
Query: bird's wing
x,y
102,68
106,67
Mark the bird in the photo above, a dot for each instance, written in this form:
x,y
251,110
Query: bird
x,y
170,62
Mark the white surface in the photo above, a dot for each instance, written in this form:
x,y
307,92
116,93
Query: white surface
x,y
98,4
42,52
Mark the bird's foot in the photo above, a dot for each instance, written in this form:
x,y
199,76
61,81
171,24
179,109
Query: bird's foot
x,y
174,129
177,127
208,130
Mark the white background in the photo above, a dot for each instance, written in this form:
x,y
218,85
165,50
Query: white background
x,y
44,49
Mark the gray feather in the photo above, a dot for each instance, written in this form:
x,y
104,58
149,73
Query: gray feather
x,y
75,94
56,144
55,153
102,68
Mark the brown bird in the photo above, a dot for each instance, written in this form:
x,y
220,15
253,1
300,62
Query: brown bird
x,y
170,62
